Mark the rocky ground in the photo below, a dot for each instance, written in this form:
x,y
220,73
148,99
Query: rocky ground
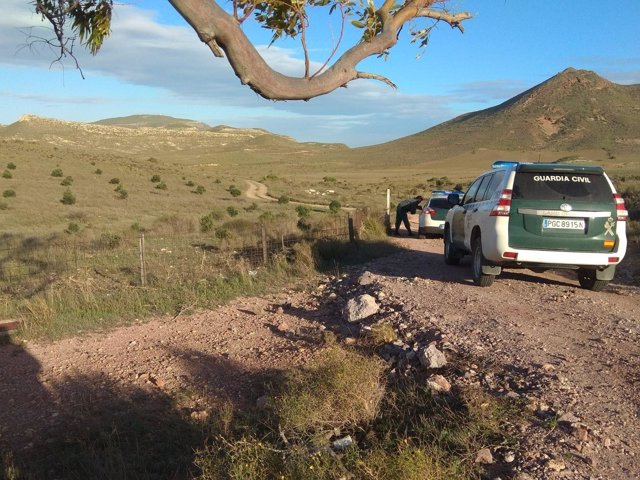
x,y
571,355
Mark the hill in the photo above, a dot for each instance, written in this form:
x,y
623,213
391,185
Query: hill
x,y
574,110
153,121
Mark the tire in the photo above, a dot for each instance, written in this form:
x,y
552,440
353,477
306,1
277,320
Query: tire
x,y
451,254
478,260
588,280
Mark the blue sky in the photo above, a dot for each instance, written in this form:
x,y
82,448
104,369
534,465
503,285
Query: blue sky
x,y
153,63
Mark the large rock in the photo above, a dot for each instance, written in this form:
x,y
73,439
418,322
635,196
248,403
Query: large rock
x,y
431,357
360,308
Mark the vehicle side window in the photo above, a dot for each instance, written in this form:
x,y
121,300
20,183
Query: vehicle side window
x,y
495,183
482,190
471,193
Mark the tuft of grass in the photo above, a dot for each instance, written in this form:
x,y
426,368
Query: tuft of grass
x,y
340,388
57,172
7,174
382,333
68,198
9,193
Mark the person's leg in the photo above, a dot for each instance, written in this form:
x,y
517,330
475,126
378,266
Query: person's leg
x,y
407,225
398,221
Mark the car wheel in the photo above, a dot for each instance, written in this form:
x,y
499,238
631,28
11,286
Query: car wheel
x,y
588,280
479,278
451,254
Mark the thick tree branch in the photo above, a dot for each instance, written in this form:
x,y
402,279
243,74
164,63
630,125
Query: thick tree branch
x,y
222,33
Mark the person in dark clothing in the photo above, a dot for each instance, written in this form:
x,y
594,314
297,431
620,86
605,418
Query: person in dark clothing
x,y
403,209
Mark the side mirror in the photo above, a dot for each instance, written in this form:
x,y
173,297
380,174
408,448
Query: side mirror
x,y
453,199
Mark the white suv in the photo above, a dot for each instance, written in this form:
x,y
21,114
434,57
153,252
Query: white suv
x,y
538,216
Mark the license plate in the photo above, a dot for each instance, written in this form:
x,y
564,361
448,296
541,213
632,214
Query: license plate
x,y
563,223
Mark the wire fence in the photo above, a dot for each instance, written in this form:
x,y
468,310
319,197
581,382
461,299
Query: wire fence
x,y
140,259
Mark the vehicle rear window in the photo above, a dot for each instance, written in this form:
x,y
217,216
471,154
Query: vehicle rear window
x,y
564,186
439,203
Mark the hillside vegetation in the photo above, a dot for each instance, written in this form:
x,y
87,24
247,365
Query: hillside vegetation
x,y
107,167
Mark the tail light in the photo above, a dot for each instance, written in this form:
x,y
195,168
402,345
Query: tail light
x,y
503,207
621,210
429,211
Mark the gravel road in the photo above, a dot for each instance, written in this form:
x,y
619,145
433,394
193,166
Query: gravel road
x,y
572,354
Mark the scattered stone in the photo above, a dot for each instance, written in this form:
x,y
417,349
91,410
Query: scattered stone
x,y
580,432
556,464
360,308
350,341
367,278
484,456
607,443
431,357
509,457
438,384
568,418
342,443
282,327
200,416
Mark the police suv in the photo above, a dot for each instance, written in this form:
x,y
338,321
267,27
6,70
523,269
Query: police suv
x,y
538,216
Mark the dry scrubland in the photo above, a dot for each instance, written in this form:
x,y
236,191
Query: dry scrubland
x,y
93,190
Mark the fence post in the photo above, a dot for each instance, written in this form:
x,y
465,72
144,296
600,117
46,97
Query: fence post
x,y
143,269
387,215
264,243
352,233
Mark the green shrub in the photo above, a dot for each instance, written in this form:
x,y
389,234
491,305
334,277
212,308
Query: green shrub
x,y
251,208
221,233
206,223
283,199
329,179
335,206
57,172
68,198
234,191
72,228
110,240
98,171
7,174
161,186
303,212
199,190
232,211
190,183
114,181
155,178
67,181
11,166
122,193
9,193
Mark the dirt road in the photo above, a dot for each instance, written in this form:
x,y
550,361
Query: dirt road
x,y
572,355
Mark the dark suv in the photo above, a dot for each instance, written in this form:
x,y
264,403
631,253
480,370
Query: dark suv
x,y
539,216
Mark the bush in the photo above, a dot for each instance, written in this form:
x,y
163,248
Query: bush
x,y
57,172
122,193
68,198
335,206
114,181
155,178
303,212
251,208
9,193
190,183
98,171
72,228
110,240
67,181
234,191
199,190
161,186
283,199
329,179
7,174
11,166
232,211
206,223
